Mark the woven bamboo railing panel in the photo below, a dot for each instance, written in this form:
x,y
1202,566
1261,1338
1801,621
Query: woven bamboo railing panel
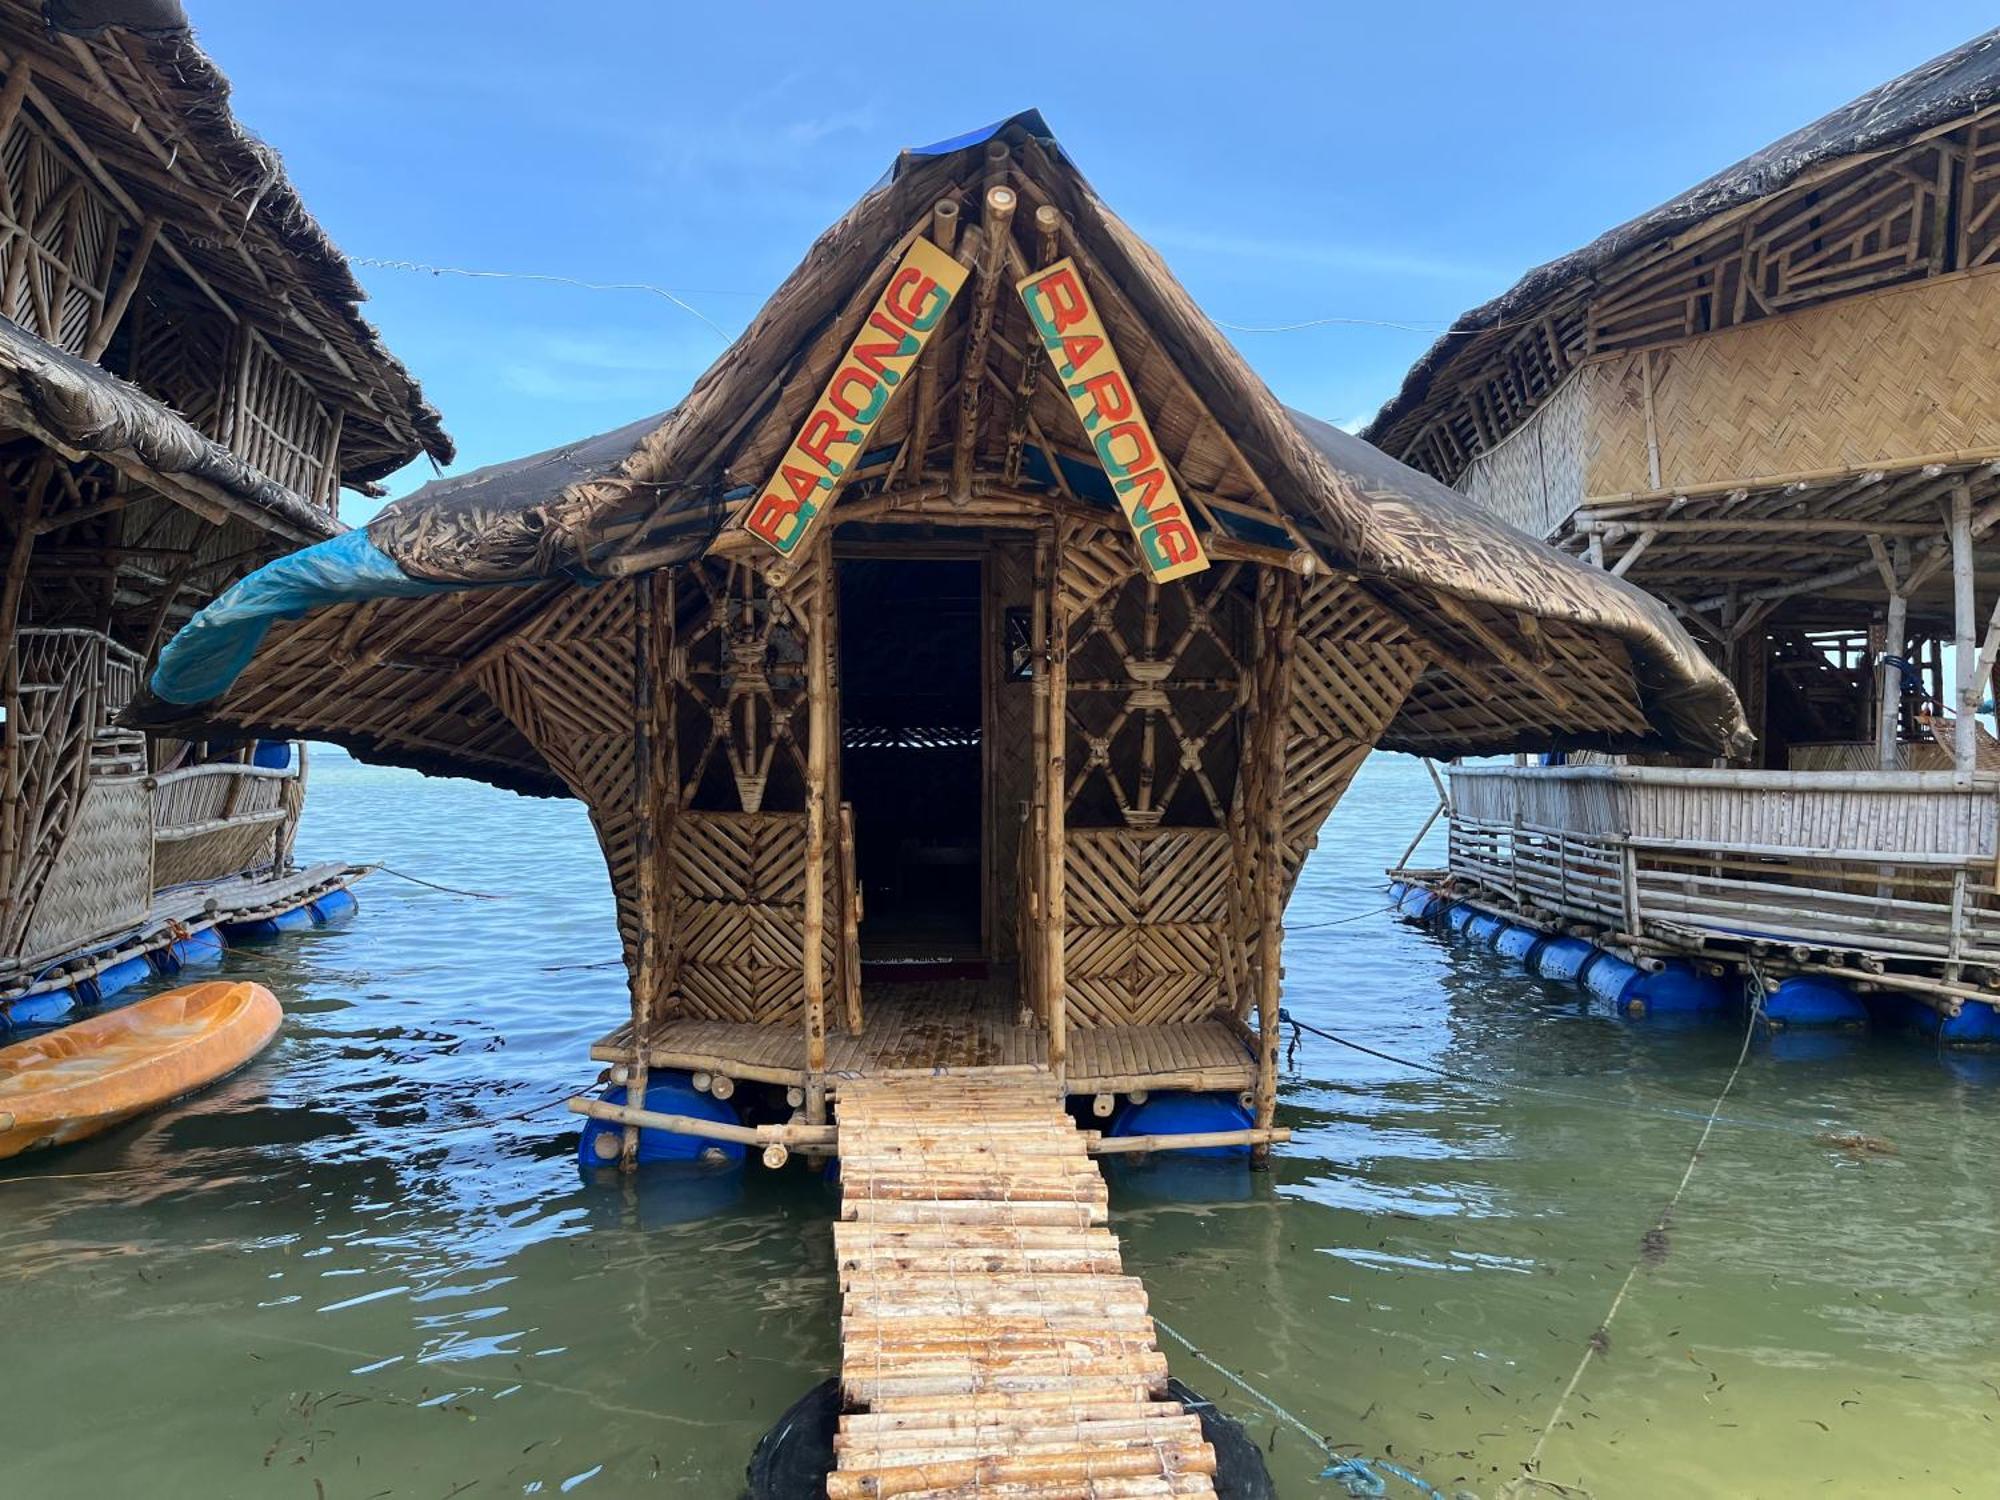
x,y
1870,379
740,688
990,1341
101,881
1149,924
217,853
739,918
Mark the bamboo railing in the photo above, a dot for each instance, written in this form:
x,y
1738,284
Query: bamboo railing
x,y
1895,864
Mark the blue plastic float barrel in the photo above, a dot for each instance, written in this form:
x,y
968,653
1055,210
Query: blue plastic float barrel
x,y
1460,917
1415,903
204,947
1814,1000
669,1093
1561,959
1977,1024
1484,928
1518,943
1178,1113
336,905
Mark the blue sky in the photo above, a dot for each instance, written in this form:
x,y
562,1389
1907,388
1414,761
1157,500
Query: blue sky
x,y
1292,162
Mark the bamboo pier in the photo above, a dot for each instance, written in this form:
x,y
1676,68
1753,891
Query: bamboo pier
x,y
990,1339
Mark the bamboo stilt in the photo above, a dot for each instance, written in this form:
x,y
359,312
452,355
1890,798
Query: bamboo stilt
x,y
1055,790
819,734
1281,598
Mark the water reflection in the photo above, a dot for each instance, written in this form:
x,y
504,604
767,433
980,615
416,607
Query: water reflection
x,y
369,1261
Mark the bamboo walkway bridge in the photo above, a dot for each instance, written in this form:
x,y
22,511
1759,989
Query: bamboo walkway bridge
x,y
990,1340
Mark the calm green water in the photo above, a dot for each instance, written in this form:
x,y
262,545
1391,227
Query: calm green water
x,y
366,1267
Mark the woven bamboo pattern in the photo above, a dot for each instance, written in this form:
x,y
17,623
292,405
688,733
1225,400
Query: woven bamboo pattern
x,y
102,880
1870,380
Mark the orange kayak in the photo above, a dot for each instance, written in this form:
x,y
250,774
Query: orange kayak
x,y
90,1076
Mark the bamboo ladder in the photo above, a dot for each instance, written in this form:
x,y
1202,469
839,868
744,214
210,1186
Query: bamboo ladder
x,y
990,1340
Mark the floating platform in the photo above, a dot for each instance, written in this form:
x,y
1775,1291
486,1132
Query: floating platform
x,y
184,928
954,1026
991,1342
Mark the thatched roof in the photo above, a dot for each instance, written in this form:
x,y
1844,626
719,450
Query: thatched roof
x,y
657,491
152,110
78,407
1947,88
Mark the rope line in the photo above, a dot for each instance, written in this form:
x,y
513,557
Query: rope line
x,y
1357,1475
1599,1339
432,885
547,277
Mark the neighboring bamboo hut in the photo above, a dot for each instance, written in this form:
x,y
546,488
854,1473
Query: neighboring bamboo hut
x,y
958,677
185,385
1775,403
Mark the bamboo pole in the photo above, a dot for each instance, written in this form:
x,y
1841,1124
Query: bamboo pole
x,y
644,969
944,232
996,226
1889,683
1111,1145
1281,624
1965,721
1055,791
819,709
713,1130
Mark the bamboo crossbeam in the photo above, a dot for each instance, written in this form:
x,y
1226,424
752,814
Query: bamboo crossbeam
x,y
714,1130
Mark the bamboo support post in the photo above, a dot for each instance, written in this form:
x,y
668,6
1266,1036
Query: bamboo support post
x,y
1055,792
1965,719
1280,598
819,711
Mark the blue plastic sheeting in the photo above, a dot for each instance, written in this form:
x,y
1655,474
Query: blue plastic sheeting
x,y
1176,1113
1562,958
671,1093
1808,1000
1029,120
272,755
212,650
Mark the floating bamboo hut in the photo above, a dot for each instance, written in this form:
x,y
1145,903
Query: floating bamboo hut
x,y
958,677
957,680
1774,402
185,387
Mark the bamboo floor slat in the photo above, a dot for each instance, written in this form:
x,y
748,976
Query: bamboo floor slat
x,y
990,1340
951,1026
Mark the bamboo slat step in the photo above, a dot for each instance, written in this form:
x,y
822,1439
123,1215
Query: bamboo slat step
x,y
990,1340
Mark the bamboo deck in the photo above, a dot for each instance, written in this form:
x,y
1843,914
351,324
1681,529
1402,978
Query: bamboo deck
x,y
990,1340
951,1026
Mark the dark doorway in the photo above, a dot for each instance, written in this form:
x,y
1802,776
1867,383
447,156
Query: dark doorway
x,y
912,732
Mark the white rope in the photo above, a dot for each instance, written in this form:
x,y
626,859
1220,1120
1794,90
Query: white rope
x,y
1597,1340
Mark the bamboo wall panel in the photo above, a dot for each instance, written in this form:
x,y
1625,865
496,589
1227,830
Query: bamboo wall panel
x,y
101,878
1534,479
1352,669
1889,376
